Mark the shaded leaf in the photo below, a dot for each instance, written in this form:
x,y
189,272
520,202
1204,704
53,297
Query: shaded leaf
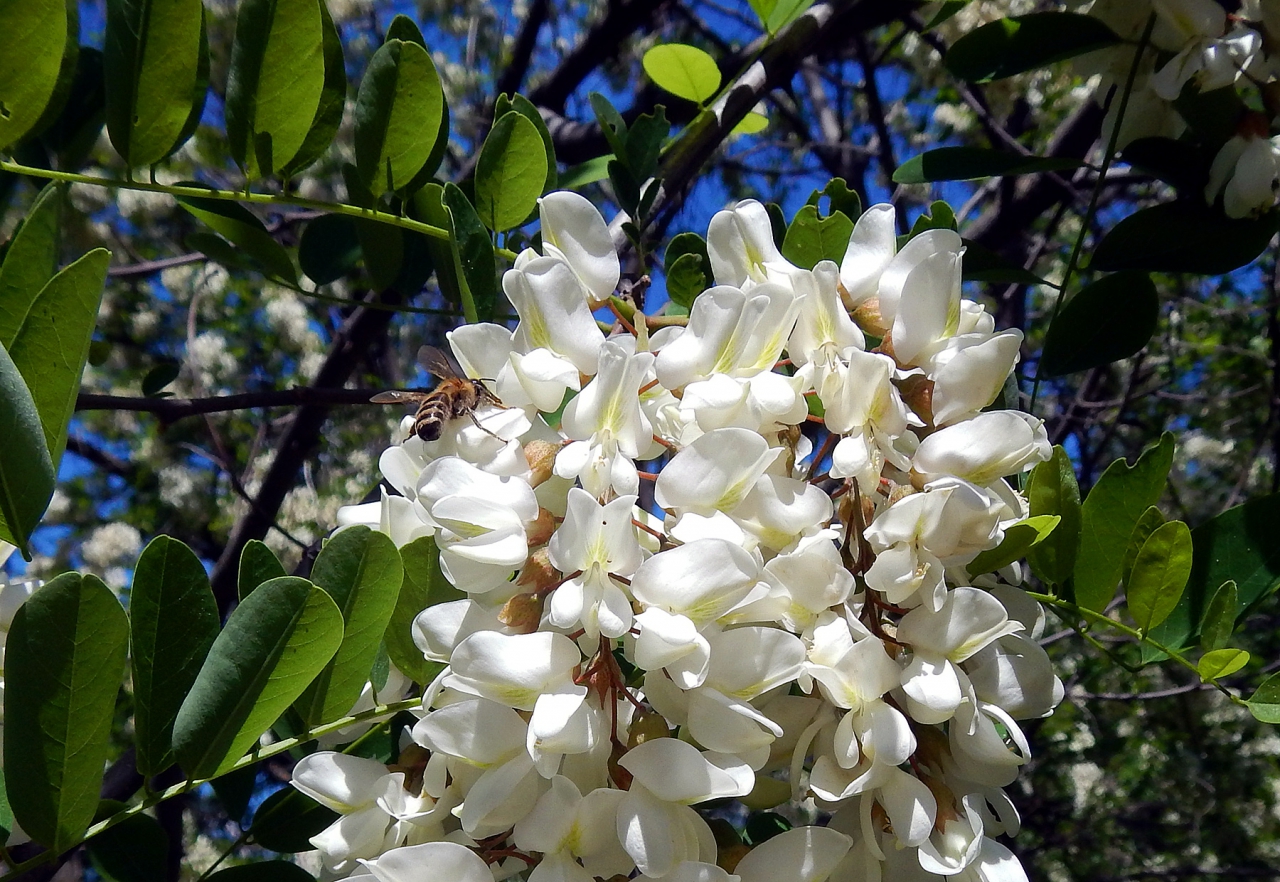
x,y
685,280
26,469
360,569
972,163
30,260
286,821
398,111
1108,516
685,71
423,586
160,376
1025,42
156,63
278,639
37,44
235,789
584,173
981,264
1241,545
258,564
1220,615
510,173
1181,164
135,850
64,658
1160,574
72,136
1019,538
473,252
172,625
1052,490
1183,237
329,248
1151,518
263,871
242,228
1111,319
1221,663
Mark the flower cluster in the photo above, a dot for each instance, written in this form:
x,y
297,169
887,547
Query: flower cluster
x,y
1199,48
777,606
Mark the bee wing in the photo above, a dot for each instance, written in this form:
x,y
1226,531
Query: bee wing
x,y
398,396
440,363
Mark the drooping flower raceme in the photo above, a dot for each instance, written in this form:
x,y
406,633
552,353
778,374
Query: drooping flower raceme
x,y
780,607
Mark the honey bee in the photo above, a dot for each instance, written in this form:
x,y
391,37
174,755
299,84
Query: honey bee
x,y
454,397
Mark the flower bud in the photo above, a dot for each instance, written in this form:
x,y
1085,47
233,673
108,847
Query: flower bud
x,y
541,456
646,726
917,392
522,613
538,573
866,315
539,532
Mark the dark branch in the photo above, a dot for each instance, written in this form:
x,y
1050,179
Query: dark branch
x,y
514,73
170,409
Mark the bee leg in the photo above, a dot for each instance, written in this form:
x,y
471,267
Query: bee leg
x,y
483,429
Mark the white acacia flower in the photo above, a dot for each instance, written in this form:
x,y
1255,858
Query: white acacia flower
x,y
597,542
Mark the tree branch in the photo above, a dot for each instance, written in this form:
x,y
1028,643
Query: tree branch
x,y
170,409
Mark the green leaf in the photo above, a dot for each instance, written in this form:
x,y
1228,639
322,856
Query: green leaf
x,y
361,571
1051,489
238,225
135,850
26,469
1142,530
72,136
333,99
235,789
258,564
52,346
63,663
1019,538
274,644
1221,663
777,14
510,173
287,819
946,11
172,625
6,814
397,116
972,163
645,137
1108,516
940,217
424,585
1264,704
1242,545
330,248
157,73
263,871
1025,42
1220,615
160,376
37,42
1159,575
981,264
842,198
685,280
275,83
525,108
30,261
751,124
811,239
1111,319
1183,237
685,71
473,252
611,123
1181,164
578,176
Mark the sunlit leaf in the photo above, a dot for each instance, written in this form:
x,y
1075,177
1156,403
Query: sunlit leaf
x,y
811,238
37,45
1019,538
397,116
685,71
26,470
1220,615
424,585
1221,663
1264,704
157,74
510,173
30,260
1160,574
526,108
